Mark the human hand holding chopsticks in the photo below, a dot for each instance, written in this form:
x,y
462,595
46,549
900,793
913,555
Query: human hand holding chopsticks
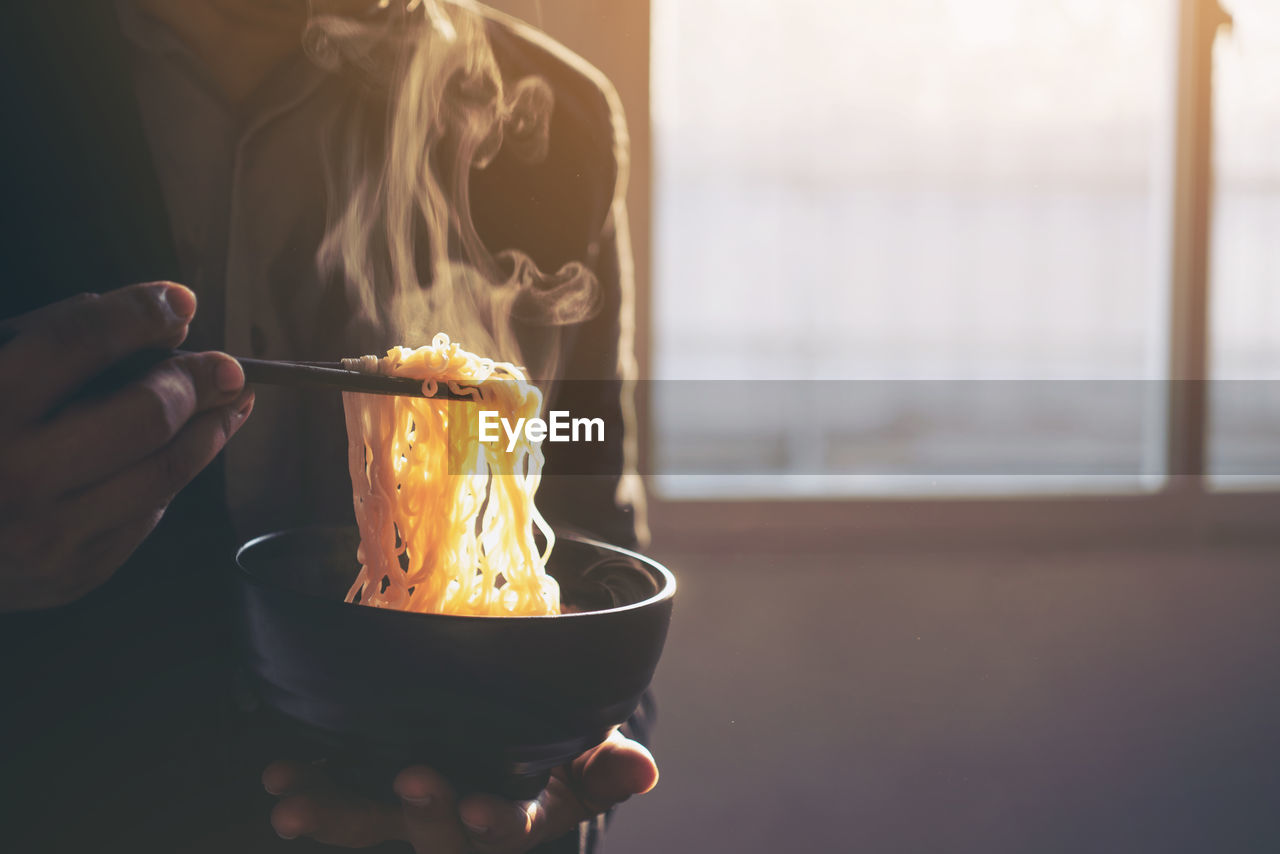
x,y
433,821
84,480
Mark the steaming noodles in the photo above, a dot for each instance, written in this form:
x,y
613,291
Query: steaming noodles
x,y
447,522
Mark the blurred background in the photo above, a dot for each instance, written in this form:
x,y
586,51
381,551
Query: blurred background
x,y
875,193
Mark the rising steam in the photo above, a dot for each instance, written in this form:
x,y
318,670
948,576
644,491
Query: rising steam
x,y
428,108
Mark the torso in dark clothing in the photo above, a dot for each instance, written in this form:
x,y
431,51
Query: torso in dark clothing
x,y
123,725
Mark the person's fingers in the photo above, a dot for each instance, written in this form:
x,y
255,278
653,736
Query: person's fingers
x,y
293,817
496,826
594,782
56,349
332,818
433,822
73,545
430,812
154,481
286,776
555,812
615,771
92,440
312,806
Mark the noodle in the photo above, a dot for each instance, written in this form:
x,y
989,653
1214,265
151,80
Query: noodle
x,y
447,522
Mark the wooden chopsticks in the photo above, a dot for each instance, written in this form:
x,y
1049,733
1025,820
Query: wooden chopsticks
x,y
333,375
268,372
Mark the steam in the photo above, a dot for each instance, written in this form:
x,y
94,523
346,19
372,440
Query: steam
x,y
428,108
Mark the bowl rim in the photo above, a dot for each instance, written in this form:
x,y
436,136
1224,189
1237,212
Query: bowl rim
x,y
666,591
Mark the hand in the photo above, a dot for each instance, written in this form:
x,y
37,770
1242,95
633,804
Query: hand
x,y
84,481
433,821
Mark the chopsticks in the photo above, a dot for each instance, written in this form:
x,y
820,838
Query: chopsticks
x,y
333,375
268,372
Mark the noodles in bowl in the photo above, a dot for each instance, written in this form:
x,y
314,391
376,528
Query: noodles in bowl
x,y
494,703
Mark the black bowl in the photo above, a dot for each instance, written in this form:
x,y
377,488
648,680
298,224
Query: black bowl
x,y
492,702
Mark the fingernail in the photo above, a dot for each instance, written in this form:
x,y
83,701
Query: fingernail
x,y
285,835
421,803
181,301
228,375
243,413
477,829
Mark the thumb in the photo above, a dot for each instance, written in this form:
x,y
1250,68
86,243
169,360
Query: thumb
x,y
616,770
596,781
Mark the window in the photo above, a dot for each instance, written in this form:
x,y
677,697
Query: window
x,y
952,219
